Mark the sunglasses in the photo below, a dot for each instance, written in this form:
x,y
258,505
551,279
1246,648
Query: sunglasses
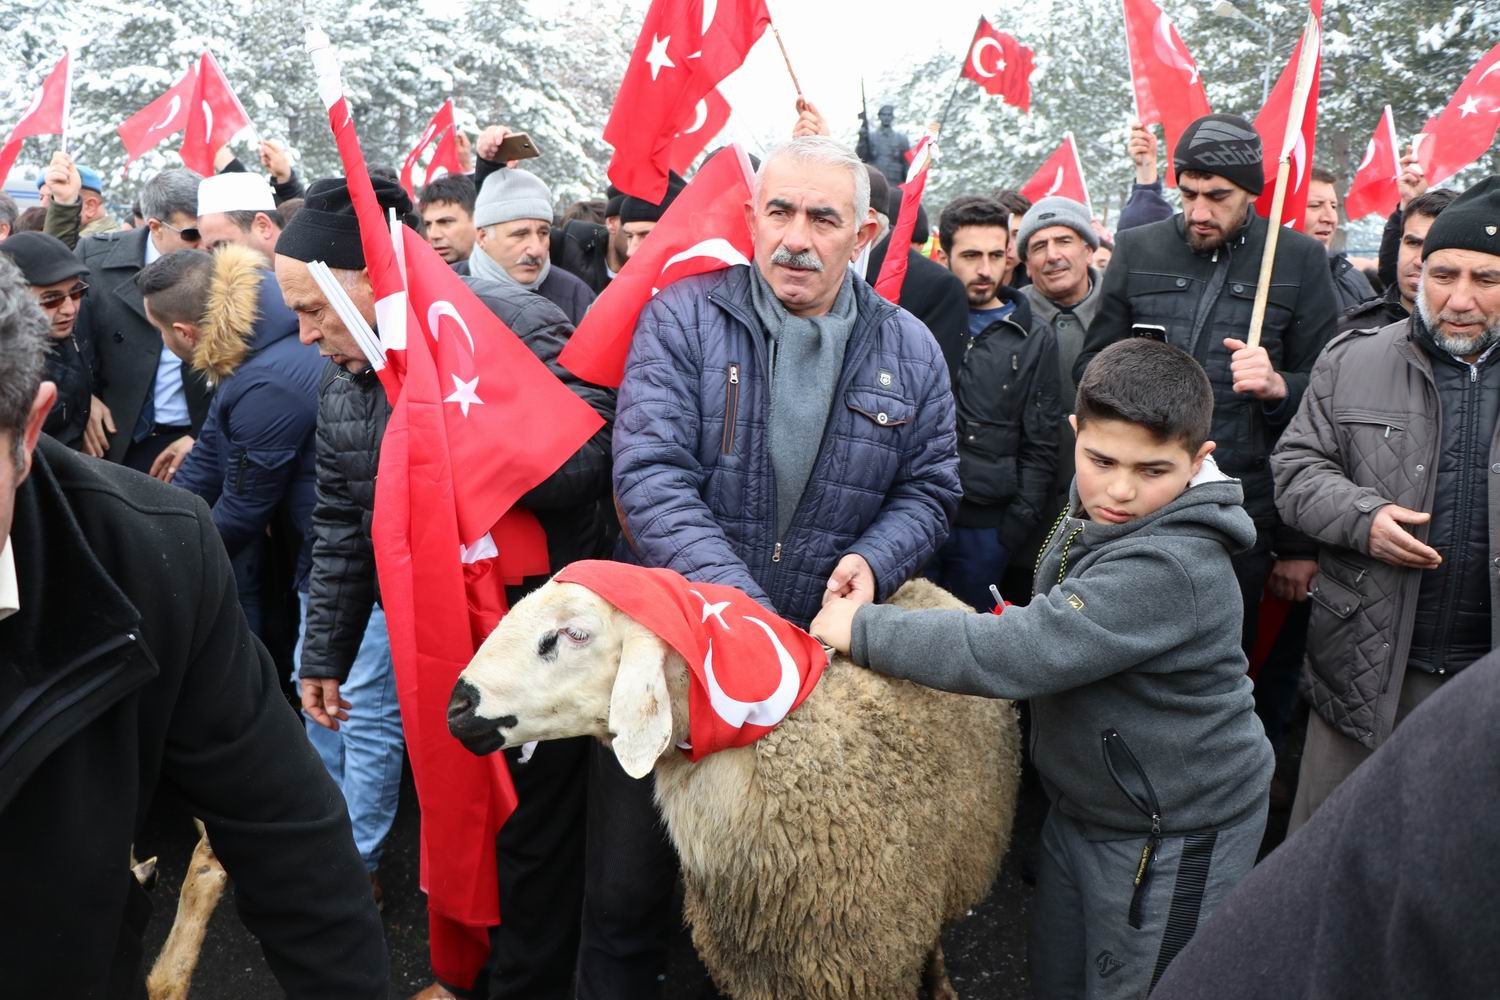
x,y
190,234
51,300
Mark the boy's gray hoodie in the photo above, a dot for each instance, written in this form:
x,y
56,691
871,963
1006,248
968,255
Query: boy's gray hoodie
x,y
1130,654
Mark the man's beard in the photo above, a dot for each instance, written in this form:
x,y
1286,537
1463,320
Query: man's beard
x,y
1204,244
1459,347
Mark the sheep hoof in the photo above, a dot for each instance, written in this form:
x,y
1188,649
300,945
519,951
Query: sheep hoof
x,y
935,979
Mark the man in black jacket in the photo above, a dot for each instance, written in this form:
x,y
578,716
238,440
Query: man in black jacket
x,y
541,845
929,292
155,401
1005,388
1322,224
159,684
1400,298
1190,280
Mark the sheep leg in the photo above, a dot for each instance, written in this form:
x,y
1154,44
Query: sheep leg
x,y
201,888
144,871
935,977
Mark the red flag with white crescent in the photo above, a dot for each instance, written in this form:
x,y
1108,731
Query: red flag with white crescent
x,y
441,135
1375,188
1000,65
1271,124
47,114
704,229
1168,88
1465,129
163,117
749,668
1060,174
709,118
215,116
893,269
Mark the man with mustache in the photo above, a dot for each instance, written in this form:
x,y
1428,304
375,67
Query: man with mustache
x,y
781,429
1190,280
1321,222
1393,465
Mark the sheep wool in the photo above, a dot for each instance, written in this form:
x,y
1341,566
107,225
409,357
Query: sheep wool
x,y
749,667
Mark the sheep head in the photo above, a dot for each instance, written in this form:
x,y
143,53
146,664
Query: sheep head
x,y
562,663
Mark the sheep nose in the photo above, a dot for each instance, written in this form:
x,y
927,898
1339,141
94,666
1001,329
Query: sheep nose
x,y
463,703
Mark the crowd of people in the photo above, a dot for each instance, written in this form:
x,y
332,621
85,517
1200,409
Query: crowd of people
x,y
1069,418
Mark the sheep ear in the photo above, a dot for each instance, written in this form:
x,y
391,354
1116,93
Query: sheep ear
x,y
640,710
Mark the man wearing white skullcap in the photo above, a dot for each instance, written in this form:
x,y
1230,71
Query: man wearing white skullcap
x,y
238,208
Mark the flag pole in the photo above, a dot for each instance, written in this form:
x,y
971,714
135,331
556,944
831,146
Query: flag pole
x,y
787,59
1307,59
67,98
953,91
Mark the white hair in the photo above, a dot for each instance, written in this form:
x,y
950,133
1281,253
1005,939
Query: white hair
x,y
823,151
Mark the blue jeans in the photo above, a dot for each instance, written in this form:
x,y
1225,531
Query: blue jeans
x,y
364,755
969,561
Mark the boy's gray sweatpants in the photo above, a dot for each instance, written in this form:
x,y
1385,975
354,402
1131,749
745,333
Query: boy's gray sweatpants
x,y
1082,942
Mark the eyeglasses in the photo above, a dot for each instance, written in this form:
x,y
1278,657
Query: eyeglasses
x,y
190,234
51,300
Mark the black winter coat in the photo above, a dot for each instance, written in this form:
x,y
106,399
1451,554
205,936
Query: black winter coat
x,y
1350,285
1005,391
931,293
129,668
1157,286
1373,314
572,504
70,366
128,346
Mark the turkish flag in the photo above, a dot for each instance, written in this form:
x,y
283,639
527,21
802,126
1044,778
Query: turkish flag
x,y
748,668
704,229
1465,129
893,269
1061,174
709,118
1001,65
685,49
440,130
1168,88
1374,188
467,395
163,117
47,114
215,116
1271,124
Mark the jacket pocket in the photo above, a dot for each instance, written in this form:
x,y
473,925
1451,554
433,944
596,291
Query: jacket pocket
x,y
882,409
1161,307
731,406
987,461
1232,316
1128,775
256,469
1332,631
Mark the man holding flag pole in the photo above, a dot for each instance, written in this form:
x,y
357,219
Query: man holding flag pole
x,y
1252,302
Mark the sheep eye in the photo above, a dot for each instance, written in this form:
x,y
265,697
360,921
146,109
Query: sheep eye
x,y
577,635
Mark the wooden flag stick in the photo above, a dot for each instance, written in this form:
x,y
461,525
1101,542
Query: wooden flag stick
x,y
1306,61
787,59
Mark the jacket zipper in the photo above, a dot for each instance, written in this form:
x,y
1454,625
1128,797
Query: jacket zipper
x,y
1152,808
1470,415
239,471
731,407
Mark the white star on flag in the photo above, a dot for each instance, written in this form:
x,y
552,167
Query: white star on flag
x,y
658,57
712,610
465,394
1468,107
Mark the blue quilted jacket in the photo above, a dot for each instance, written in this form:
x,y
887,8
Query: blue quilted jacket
x,y
692,470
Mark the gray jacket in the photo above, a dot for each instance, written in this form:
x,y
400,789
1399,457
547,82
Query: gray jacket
x,y
1130,654
1368,433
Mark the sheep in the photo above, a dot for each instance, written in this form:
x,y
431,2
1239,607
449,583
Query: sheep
x,y
820,862
172,974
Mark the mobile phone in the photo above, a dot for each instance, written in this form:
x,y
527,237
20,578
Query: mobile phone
x,y
516,147
1152,330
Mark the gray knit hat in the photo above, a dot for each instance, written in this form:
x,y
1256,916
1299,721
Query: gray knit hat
x,y
1057,211
510,194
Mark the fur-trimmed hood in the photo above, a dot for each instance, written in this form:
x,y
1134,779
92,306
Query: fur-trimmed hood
x,y
244,313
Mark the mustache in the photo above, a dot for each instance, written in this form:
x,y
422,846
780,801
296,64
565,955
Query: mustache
x,y
804,261
530,260
1462,319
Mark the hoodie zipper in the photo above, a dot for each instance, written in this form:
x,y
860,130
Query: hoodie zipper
x,y
1151,807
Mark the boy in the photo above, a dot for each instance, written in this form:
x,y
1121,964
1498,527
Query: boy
x,y
1143,724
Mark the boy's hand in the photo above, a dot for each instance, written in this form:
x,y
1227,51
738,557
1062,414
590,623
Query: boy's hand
x,y
834,625
1253,373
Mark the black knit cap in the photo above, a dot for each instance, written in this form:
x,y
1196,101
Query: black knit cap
x,y
326,229
639,210
614,198
1470,222
1224,145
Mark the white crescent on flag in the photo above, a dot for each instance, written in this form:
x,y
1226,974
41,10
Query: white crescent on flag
x,y
1167,49
172,109
1057,183
718,248
766,712
208,122
978,48
441,308
36,102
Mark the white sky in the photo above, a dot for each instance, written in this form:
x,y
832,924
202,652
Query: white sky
x,y
832,43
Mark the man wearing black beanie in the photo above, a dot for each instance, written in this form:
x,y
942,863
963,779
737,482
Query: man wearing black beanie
x,y
638,216
345,678
1190,280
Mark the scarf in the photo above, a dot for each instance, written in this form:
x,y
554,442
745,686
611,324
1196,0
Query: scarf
x,y
482,265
